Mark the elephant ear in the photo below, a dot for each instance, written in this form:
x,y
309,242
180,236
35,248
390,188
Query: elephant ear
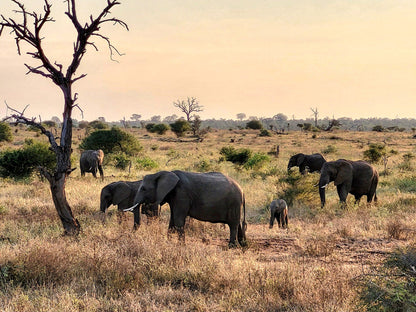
x,y
344,173
300,159
121,192
165,183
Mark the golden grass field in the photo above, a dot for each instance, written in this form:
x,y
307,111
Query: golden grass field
x,y
315,265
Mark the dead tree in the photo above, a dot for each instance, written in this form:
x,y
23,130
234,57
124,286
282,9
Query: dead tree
x,y
28,30
188,107
315,115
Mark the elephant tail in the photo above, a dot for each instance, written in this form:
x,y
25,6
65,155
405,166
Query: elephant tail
x,y
375,196
244,225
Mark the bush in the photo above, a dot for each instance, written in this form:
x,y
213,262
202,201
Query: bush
x,y
378,128
393,287
21,163
254,124
149,126
264,133
112,141
98,124
330,149
240,156
179,127
256,161
121,161
146,163
375,152
5,132
160,128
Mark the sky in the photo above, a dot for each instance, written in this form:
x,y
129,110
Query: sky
x,y
347,58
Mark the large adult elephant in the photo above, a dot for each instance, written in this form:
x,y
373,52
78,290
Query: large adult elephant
x,y
211,197
122,194
313,162
356,177
91,161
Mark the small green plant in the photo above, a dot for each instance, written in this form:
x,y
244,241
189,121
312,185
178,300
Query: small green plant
x,y
5,132
378,128
375,152
121,161
240,156
160,128
146,163
393,286
264,133
203,166
256,161
330,149
98,124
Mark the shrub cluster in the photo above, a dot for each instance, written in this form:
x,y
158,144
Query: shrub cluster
x,y
160,128
5,132
22,162
254,124
375,152
244,157
112,141
179,127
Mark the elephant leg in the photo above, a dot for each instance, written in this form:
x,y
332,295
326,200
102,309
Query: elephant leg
x,y
136,213
342,193
241,235
100,168
357,199
271,221
286,221
279,219
233,234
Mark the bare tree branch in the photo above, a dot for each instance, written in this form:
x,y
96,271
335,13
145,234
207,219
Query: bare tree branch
x,y
191,105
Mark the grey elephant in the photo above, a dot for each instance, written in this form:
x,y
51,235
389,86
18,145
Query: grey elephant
x,y
122,194
279,211
313,162
91,161
356,177
211,197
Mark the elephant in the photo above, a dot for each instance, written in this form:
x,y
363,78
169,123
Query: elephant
x,y
211,197
356,177
313,162
90,161
278,211
122,194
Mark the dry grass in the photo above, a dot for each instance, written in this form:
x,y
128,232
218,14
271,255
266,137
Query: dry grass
x,y
309,267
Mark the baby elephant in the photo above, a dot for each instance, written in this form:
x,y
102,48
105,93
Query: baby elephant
x,y
278,210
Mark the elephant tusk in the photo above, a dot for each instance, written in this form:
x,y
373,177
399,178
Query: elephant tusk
x,y
324,186
316,185
131,208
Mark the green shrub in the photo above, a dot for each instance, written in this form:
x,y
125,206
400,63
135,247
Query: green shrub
x,y
393,286
264,133
256,161
179,127
121,161
21,163
98,124
146,163
240,156
160,128
298,188
330,149
149,126
378,128
5,132
375,152
112,141
254,124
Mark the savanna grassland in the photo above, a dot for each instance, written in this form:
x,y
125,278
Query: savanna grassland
x,y
318,264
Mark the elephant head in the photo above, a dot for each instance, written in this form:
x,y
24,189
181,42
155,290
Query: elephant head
x,y
155,187
114,194
296,161
339,171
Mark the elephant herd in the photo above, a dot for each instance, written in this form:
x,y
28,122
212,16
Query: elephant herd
x,y
216,198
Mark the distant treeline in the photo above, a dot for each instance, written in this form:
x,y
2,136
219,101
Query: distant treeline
x,y
344,123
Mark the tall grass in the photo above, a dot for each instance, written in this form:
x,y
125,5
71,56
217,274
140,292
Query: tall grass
x,y
312,266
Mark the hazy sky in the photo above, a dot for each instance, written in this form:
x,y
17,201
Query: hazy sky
x,y
348,58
